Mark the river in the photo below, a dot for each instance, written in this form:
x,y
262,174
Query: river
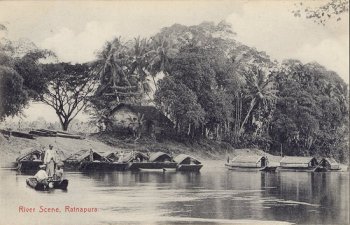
x,y
213,196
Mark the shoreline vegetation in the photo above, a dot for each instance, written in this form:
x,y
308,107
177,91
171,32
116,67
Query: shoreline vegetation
x,y
194,89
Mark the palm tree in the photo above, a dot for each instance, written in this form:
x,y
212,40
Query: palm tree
x,y
163,51
262,92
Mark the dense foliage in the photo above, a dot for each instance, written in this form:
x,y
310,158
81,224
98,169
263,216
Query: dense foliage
x,y
214,87
209,85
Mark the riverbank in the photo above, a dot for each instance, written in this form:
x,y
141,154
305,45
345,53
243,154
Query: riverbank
x,y
206,150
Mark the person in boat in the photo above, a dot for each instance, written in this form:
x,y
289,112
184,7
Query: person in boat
x,y
50,161
41,176
59,172
121,156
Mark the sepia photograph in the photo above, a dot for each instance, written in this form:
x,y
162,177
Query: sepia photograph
x,y
174,112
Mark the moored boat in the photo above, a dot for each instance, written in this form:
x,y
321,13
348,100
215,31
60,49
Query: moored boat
x,y
56,184
249,163
29,160
87,160
187,163
300,164
158,160
330,164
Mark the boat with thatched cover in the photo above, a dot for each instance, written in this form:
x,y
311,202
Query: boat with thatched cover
x,y
158,160
249,163
299,163
187,163
87,160
30,159
115,161
330,164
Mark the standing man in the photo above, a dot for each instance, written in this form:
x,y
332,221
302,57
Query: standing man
x,y
50,161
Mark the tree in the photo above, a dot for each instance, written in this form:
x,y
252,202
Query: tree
x,y
68,90
261,92
311,111
13,97
321,14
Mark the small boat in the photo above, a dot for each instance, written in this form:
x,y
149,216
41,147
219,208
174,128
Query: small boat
x,y
33,183
187,163
300,164
330,164
29,160
87,160
158,160
249,163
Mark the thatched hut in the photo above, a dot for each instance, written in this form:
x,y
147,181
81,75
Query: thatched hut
x,y
145,120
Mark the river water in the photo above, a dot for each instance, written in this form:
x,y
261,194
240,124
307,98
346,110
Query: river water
x,y
213,196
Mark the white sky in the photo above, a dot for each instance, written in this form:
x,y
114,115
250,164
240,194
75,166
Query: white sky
x,y
75,30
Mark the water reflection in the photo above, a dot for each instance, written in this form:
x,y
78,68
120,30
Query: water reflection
x,y
213,196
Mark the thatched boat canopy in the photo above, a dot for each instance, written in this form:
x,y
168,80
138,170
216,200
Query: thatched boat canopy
x,y
186,159
330,163
131,156
160,157
29,153
84,155
255,161
298,161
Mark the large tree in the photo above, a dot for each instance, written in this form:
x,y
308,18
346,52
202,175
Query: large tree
x,y
68,90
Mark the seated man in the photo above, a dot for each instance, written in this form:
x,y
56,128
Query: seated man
x,y
41,175
59,173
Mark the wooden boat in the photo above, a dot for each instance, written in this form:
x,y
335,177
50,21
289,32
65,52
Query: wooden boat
x,y
30,160
33,183
187,163
158,160
330,164
300,164
249,163
115,162
86,160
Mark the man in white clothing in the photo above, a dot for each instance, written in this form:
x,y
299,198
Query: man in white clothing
x,y
50,161
41,175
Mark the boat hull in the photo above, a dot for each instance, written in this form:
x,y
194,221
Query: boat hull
x,y
189,167
151,165
298,169
28,165
33,183
231,167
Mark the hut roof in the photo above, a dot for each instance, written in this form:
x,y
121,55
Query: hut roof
x,y
247,158
296,160
27,152
182,157
148,112
156,156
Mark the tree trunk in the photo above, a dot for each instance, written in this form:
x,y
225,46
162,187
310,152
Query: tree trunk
x,y
252,104
65,121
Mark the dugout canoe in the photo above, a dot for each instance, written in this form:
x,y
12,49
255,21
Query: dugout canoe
x,y
33,183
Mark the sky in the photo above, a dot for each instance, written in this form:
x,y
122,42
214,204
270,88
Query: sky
x,y
75,30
